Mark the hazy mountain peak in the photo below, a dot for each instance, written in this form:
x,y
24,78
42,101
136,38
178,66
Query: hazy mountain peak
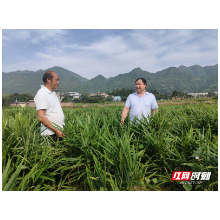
x,y
99,77
137,68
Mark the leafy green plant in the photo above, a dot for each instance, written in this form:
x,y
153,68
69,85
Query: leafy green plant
x,y
98,154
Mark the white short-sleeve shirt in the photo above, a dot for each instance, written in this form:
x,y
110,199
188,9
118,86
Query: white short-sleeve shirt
x,y
141,106
45,99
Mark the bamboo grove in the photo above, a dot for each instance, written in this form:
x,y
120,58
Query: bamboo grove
x,y
98,154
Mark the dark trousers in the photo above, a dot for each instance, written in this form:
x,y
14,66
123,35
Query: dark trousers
x,y
55,138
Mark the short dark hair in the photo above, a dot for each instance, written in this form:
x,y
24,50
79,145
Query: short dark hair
x,y
143,80
48,74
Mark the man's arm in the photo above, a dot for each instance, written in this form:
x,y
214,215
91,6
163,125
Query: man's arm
x,y
154,106
155,111
43,119
124,114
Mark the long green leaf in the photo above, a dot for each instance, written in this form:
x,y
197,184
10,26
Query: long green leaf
x,y
10,185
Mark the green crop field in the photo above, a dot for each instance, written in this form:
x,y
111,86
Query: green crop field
x,y
98,154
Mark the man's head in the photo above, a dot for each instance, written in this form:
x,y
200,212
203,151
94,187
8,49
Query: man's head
x,y
140,85
51,80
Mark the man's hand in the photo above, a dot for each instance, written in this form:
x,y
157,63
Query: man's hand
x,y
59,134
124,114
121,124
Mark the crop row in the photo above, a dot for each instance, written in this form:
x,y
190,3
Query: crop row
x,y
98,154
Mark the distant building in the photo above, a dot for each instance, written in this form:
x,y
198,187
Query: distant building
x,y
192,94
92,95
117,98
19,104
99,94
198,94
104,95
31,103
74,95
62,95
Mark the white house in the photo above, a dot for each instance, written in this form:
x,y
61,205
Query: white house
x,y
198,94
99,94
74,95
117,98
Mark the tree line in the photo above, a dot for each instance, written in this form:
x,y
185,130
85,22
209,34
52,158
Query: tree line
x,y
124,93
8,99
85,98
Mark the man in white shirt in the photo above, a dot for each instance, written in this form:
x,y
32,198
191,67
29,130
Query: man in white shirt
x,y
140,103
48,107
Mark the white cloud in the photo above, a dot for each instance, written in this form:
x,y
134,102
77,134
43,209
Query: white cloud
x,y
5,38
110,55
16,34
33,36
44,56
109,45
47,35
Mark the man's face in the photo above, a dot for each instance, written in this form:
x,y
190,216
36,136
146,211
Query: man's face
x,y
140,86
54,82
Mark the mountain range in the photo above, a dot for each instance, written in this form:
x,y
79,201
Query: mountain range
x,y
186,79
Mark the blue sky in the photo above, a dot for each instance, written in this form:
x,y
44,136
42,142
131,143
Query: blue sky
x,y
90,52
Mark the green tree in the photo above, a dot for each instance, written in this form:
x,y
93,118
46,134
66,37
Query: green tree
x,y
8,99
212,94
122,92
25,97
66,99
5,100
123,98
108,99
178,94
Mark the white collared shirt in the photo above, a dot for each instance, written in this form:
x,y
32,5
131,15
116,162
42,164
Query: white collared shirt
x,y
141,105
45,99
